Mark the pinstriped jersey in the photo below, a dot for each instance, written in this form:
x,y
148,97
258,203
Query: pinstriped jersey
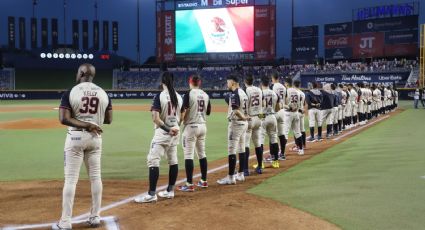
x,y
353,96
87,102
376,95
280,90
302,98
270,99
168,114
255,98
197,105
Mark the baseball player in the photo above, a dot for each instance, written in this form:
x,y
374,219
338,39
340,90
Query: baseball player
x,y
347,108
314,100
166,108
361,101
237,127
341,108
196,107
327,109
302,126
354,104
292,115
254,109
280,90
376,100
83,109
270,106
335,109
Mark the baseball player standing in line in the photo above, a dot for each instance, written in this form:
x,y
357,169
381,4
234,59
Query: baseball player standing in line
x,y
341,108
83,109
314,100
280,90
302,126
292,115
376,100
270,106
335,109
361,100
166,107
255,100
196,107
236,130
354,104
347,109
327,108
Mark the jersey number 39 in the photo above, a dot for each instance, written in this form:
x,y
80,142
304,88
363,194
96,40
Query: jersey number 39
x,y
90,105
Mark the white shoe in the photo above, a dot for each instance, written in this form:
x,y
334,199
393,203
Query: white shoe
x,y
240,177
146,199
94,221
166,194
227,180
58,227
300,152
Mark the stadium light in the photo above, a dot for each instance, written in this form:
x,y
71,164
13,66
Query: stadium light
x,y
61,56
43,55
67,56
73,56
85,56
79,56
91,56
55,55
49,55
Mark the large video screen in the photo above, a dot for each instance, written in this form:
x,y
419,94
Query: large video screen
x,y
219,30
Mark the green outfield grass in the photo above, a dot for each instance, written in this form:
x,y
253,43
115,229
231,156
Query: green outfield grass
x,y
374,180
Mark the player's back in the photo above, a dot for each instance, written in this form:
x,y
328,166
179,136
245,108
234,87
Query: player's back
x,y
197,109
244,101
280,90
255,98
270,99
89,103
293,98
169,115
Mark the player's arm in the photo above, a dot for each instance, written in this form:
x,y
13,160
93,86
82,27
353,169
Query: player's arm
x,y
65,118
185,106
108,113
156,119
236,107
209,108
277,106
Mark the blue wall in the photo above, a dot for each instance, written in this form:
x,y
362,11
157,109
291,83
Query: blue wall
x,y
307,12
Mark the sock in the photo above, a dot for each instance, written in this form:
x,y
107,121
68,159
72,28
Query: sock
x,y
299,142
312,132
188,165
259,154
340,125
282,141
328,130
241,162
246,158
319,131
335,128
232,164
274,151
172,177
303,138
153,179
204,168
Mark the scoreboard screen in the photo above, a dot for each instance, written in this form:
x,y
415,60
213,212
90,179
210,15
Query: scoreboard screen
x,y
218,30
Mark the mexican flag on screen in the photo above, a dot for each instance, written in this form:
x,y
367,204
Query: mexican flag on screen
x,y
215,30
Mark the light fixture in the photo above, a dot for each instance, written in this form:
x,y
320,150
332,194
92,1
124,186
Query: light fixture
x,y
55,55
85,56
73,56
79,56
43,55
49,55
67,56
61,56
91,56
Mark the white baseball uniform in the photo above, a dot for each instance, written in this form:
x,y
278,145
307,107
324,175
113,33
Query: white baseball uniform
x,y
291,115
270,100
237,128
254,108
87,102
302,126
280,90
197,105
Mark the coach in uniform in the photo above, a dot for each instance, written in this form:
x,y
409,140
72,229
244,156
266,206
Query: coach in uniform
x,y
314,100
83,109
327,109
196,107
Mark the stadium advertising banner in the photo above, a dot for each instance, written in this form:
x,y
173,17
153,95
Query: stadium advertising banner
x,y
215,30
55,33
96,35
166,36
401,37
85,35
22,34
192,4
339,53
386,24
34,33
305,43
339,28
401,50
44,38
11,32
338,40
368,45
388,77
265,37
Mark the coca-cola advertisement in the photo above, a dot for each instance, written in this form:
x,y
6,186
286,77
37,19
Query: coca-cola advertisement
x,y
368,45
338,41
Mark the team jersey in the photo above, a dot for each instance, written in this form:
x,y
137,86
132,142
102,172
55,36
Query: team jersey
x,y
387,94
280,90
87,102
376,95
237,101
270,99
353,96
302,94
197,105
343,97
255,98
167,113
293,99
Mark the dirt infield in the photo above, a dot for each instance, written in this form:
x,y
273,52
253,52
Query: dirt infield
x,y
36,123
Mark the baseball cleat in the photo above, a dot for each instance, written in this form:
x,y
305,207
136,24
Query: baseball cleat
x,y
227,180
311,139
282,157
268,159
276,164
259,170
94,221
319,139
256,166
202,184
58,227
146,199
166,194
294,148
300,152
246,172
187,188
240,177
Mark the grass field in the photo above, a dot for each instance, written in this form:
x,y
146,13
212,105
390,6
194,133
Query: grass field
x,y
374,180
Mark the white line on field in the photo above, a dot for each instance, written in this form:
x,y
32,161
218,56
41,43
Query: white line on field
x,y
111,222
423,177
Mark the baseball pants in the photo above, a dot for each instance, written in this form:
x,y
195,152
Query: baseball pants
x,y
253,131
236,138
194,141
162,144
